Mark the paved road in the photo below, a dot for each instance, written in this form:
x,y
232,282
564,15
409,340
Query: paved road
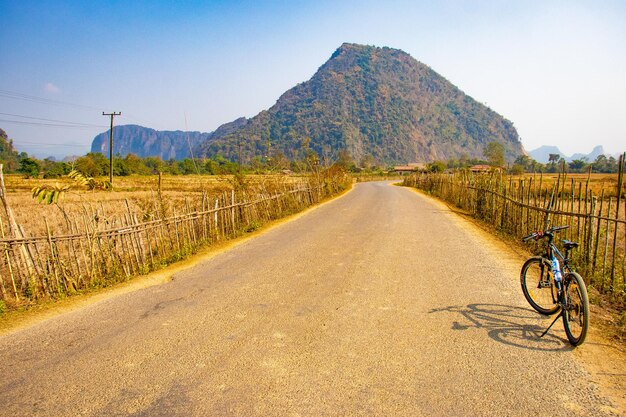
x,y
379,303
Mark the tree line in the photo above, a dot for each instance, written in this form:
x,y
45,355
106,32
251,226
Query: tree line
x,y
494,156
95,164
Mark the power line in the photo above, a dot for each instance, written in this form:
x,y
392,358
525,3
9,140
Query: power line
x,y
67,126
51,120
35,99
42,100
21,142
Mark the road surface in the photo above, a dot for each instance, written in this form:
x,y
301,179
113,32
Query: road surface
x,y
379,303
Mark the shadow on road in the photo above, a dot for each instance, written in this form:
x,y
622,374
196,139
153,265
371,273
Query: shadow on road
x,y
507,324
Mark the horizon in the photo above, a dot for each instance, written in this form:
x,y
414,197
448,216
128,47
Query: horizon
x,y
555,69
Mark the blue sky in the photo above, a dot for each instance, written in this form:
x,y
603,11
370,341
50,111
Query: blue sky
x,y
556,69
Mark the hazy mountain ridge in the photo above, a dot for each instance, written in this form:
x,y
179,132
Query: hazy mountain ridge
x,y
542,154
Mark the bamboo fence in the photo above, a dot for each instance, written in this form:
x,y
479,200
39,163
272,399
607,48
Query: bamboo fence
x,y
520,206
53,266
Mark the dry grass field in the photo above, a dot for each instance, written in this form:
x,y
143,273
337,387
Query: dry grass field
x,y
135,194
597,182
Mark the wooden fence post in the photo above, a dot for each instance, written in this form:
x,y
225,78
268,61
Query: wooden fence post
x,y
620,177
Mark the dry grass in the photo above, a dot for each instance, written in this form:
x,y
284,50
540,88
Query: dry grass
x,y
135,192
597,182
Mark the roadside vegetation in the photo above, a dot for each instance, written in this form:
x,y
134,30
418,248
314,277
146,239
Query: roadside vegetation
x,y
75,233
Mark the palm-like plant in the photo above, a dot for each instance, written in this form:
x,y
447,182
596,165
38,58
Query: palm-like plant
x,y
52,194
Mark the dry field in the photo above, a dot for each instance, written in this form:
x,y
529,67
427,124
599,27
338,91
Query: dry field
x,y
597,182
135,194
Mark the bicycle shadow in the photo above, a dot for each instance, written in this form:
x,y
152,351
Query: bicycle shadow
x,y
509,325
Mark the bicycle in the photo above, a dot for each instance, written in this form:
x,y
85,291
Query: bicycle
x,y
548,288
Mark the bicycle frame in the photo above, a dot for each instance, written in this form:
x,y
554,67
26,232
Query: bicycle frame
x,y
552,253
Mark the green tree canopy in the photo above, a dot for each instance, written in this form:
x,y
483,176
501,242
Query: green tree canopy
x,y
29,167
494,152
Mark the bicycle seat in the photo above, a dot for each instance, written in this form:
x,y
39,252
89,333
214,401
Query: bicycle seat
x,y
568,244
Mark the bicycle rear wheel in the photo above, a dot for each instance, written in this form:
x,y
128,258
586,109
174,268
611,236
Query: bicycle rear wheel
x,y
538,285
576,314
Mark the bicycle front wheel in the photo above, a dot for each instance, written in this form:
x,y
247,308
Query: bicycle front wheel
x,y
576,314
538,285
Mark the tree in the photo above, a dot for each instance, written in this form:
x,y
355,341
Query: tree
x,y
187,166
577,165
494,152
154,164
136,165
29,167
279,161
604,164
527,164
55,169
517,169
436,166
93,164
344,160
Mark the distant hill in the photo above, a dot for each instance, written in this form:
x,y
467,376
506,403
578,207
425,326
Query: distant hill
x,y
143,141
372,101
542,154
590,157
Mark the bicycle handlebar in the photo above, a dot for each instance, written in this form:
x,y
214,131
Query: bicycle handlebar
x,y
543,233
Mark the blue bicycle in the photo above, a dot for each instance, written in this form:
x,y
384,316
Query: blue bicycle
x,y
550,288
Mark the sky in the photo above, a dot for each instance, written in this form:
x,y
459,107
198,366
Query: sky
x,y
556,69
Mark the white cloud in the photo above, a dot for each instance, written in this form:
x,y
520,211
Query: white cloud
x,y
51,88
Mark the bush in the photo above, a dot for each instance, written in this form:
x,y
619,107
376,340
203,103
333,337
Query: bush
x,y
436,166
29,167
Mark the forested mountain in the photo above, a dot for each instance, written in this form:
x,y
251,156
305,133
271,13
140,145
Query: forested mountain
x,y
371,101
375,103
8,155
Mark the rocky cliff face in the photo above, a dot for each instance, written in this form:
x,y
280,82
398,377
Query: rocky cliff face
x,y
143,141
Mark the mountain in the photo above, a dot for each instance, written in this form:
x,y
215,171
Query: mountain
x,y
8,153
598,150
371,101
143,141
542,154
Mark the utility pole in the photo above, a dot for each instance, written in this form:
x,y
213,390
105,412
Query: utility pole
x,y
112,115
